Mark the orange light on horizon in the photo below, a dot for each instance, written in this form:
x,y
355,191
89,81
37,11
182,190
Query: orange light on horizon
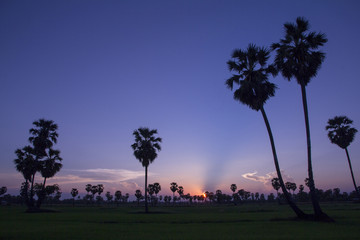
x,y
204,195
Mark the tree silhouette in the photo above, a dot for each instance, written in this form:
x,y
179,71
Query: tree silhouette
x,y
180,191
40,157
25,164
109,197
3,190
341,133
297,56
233,187
254,90
173,188
276,185
74,192
145,149
118,196
157,188
138,195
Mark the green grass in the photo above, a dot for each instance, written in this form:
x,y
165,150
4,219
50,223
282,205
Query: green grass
x,y
249,221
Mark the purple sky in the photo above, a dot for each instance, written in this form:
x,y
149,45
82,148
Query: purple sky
x,y
101,69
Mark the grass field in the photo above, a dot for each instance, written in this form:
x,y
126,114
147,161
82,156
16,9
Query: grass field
x,y
249,221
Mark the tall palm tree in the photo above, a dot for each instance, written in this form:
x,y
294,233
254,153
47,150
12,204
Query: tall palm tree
x,y
297,56
342,134
25,164
44,135
145,149
48,168
254,90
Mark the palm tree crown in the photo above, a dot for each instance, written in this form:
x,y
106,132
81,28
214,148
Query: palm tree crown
x,y
252,76
340,131
146,145
44,136
297,54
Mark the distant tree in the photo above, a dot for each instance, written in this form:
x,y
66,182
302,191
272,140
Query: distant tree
x,y
288,185
271,197
276,185
293,187
3,190
241,193
151,192
74,192
307,182
341,133
301,188
109,197
94,190
88,188
180,191
100,189
126,197
297,56
251,74
173,187
118,196
138,196
233,187
336,193
257,196
157,188
262,197
145,149
219,196
99,199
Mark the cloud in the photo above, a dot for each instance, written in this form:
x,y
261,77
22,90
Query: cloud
x,y
103,175
266,180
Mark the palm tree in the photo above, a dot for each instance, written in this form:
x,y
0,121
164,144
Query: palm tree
x,y
180,192
276,185
118,196
342,134
297,56
157,188
138,195
74,193
44,136
254,90
173,188
145,149
48,168
233,187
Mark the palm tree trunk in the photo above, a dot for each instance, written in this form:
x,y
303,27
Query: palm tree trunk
x,y
352,174
31,201
319,214
42,194
300,214
146,197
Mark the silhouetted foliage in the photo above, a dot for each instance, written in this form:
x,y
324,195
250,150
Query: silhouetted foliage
x,y
251,74
297,56
39,157
341,133
145,149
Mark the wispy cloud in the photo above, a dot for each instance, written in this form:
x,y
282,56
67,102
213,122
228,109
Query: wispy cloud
x,y
266,180
96,175
114,179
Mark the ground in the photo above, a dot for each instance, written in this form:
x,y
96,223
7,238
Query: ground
x,y
248,221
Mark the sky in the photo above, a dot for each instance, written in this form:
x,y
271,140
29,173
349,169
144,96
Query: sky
x,y
101,69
